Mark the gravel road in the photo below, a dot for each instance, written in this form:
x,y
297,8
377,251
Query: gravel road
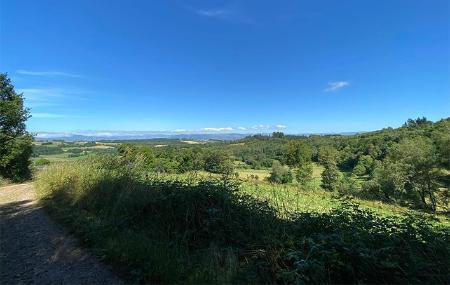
x,y
35,250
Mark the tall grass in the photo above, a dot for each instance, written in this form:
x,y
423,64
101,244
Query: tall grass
x,y
4,182
295,198
159,230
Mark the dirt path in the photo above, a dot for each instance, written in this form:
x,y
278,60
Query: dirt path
x,y
33,249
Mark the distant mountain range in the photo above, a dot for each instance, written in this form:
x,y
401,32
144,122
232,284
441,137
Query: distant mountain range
x,y
122,135
102,136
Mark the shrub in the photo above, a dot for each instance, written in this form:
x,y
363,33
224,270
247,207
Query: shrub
x,y
218,162
359,170
350,245
41,162
330,177
4,181
46,150
157,230
280,174
304,174
371,189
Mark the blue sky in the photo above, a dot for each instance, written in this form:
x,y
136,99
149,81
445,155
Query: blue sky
x,y
227,66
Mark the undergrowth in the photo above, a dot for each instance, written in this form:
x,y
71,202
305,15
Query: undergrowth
x,y
157,230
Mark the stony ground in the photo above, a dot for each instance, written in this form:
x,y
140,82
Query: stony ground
x,y
33,249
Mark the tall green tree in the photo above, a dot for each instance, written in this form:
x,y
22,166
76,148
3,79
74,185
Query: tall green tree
x,y
218,162
190,160
330,176
278,135
280,174
304,174
15,141
327,155
364,166
419,160
391,178
296,153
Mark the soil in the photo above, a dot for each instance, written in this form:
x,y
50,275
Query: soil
x,y
35,250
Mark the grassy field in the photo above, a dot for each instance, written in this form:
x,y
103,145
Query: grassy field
x,y
263,174
292,198
60,151
169,229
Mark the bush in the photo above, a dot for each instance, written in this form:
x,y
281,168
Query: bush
x,y
350,245
330,177
75,150
41,162
371,189
4,181
46,150
75,155
174,231
304,174
280,174
359,170
173,228
218,162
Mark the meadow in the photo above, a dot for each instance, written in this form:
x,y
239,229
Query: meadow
x,y
58,151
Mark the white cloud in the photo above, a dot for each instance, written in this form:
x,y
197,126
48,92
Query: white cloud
x,y
47,73
336,85
269,127
50,135
149,134
146,134
228,129
261,127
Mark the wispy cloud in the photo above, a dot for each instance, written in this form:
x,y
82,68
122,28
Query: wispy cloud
x,y
280,127
258,128
211,13
32,93
261,127
227,14
336,85
269,127
227,129
152,134
35,97
47,73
